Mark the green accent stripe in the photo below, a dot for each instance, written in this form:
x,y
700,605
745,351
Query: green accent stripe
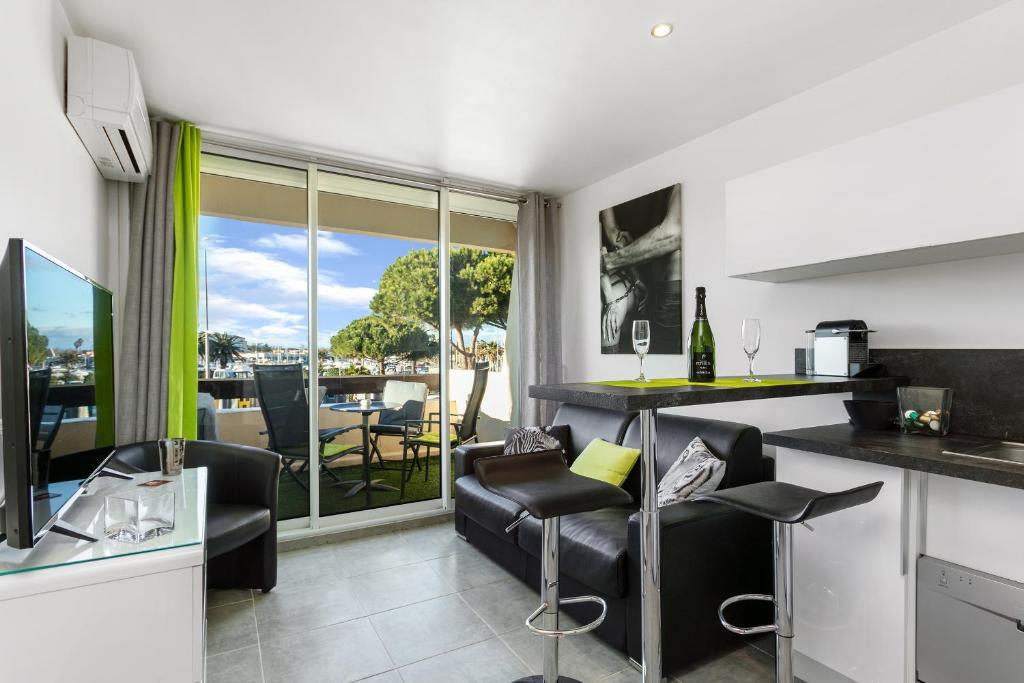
x,y
183,364
724,382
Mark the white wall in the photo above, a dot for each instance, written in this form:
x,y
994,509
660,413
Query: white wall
x,y
972,303
50,191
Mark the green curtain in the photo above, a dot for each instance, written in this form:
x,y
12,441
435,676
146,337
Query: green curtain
x,y
183,365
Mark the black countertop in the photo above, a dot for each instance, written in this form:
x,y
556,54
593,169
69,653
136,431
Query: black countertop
x,y
623,398
948,456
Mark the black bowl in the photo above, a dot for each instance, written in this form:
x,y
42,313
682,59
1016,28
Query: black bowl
x,y
872,414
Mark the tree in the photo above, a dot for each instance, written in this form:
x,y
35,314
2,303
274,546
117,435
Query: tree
x,y
38,346
378,339
491,277
479,293
224,348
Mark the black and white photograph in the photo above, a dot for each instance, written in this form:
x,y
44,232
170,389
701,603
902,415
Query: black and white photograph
x,y
642,271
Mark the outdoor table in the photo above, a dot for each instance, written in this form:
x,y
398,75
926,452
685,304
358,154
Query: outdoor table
x,y
366,484
647,398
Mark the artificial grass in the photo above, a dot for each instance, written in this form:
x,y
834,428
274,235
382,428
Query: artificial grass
x,y
293,500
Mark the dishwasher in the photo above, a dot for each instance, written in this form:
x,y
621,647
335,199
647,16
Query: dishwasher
x,y
969,625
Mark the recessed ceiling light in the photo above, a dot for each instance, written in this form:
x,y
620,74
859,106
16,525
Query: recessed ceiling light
x,y
661,30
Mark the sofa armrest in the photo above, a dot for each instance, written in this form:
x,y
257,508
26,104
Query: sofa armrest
x,y
467,454
708,553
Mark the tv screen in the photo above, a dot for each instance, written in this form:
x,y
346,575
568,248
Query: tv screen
x,y
58,386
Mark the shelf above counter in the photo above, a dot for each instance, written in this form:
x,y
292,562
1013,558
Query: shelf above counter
x,y
950,456
627,398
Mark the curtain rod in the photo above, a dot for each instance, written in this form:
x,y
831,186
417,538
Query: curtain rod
x,y
226,141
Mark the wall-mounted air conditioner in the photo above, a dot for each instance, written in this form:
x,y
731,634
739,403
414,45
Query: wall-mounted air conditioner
x,y
107,109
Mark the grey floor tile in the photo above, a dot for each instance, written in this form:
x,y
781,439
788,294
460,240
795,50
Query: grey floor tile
x,y
487,662
745,665
388,677
373,554
629,675
237,666
438,540
303,569
215,597
279,614
399,586
344,652
465,571
425,629
584,657
503,605
230,627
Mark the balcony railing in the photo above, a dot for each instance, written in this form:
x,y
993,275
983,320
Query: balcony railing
x,y
225,389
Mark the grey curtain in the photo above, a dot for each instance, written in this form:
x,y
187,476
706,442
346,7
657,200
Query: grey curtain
x,y
146,321
537,336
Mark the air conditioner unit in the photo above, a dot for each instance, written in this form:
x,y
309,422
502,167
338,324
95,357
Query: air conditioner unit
x,y
107,109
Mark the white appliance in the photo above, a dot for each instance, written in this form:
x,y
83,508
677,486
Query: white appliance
x,y
106,106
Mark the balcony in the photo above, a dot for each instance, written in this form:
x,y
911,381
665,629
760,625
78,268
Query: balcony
x,y
240,420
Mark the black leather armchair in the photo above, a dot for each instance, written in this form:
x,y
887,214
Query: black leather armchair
x,y
241,513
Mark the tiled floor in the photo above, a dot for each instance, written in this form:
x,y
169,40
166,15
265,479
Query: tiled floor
x,y
415,606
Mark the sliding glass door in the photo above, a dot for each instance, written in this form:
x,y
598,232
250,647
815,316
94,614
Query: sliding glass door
x,y
253,316
354,325
378,335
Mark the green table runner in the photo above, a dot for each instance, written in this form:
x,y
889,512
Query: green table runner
x,y
724,382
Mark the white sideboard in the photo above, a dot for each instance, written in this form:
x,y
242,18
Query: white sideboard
x,y
938,188
108,611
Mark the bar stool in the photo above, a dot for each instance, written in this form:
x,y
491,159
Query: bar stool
x,y
786,505
542,483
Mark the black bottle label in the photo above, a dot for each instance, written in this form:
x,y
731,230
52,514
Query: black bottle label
x,y
702,366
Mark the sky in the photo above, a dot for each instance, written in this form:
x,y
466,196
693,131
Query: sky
x,y
257,278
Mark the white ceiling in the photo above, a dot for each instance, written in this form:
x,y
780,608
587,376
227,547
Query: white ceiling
x,y
542,94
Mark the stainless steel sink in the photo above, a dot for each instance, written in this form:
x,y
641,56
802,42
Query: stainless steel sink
x,y
997,450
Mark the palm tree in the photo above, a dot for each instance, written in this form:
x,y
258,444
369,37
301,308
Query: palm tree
x,y
224,348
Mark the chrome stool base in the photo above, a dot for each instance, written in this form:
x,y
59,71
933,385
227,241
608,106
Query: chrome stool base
x,y
548,610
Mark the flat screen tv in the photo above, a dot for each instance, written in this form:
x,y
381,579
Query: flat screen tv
x,y
57,383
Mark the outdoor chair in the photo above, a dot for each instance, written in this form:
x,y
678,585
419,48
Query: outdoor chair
x,y
418,433
413,398
281,390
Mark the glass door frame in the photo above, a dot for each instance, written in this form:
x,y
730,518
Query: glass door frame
x,y
312,166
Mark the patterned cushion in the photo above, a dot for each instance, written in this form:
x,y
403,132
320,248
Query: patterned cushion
x,y
696,470
535,439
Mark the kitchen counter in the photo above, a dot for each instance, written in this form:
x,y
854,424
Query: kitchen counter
x,y
949,456
628,398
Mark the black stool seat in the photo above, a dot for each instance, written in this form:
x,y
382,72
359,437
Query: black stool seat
x,y
542,484
788,503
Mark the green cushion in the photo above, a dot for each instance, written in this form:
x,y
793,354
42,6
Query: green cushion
x,y
431,439
606,461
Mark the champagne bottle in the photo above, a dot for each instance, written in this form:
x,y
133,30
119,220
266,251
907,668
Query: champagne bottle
x,y
702,344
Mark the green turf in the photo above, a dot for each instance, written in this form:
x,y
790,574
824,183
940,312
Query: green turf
x,y
293,500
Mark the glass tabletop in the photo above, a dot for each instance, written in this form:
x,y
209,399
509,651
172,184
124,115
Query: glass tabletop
x,y
355,407
86,513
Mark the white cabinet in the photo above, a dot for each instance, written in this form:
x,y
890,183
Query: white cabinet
x,y
107,612
939,188
850,592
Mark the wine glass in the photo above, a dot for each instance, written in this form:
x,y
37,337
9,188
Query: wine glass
x,y
750,331
641,342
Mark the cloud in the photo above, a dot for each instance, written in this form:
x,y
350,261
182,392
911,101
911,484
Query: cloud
x,y
229,307
286,281
326,244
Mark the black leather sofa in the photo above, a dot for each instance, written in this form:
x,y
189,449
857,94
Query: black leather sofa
x,y
241,507
708,552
